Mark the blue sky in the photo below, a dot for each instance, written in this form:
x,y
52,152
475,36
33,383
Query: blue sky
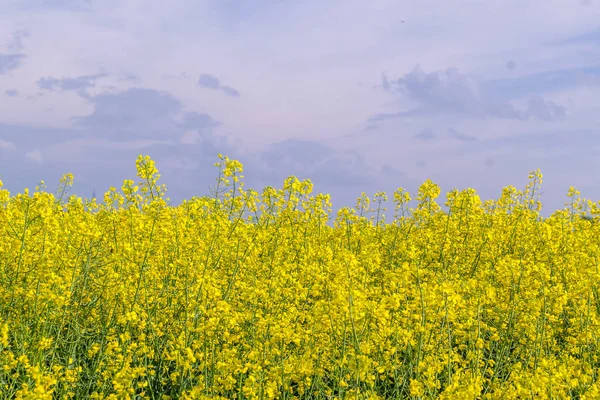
x,y
357,96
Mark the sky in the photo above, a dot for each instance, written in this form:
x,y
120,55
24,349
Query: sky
x,y
356,96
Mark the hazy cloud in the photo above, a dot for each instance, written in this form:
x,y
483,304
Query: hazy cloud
x,y
538,83
296,152
11,93
544,109
16,44
451,92
461,136
442,91
415,112
391,171
314,160
195,120
104,144
211,82
136,111
425,134
182,76
10,62
190,137
127,77
370,127
6,145
35,156
80,84
61,5
385,83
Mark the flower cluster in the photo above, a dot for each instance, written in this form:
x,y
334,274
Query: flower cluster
x,y
255,295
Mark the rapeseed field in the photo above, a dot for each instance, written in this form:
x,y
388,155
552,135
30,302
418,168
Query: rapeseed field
x,y
247,295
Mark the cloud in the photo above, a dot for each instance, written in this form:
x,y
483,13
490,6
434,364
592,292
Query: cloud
x,y
182,76
11,93
8,146
211,82
195,120
16,44
317,161
23,136
511,65
105,143
138,111
590,37
460,136
449,92
425,134
391,171
80,84
537,83
128,77
230,91
415,112
61,5
297,152
101,147
35,156
190,137
503,110
442,91
10,62
370,127
385,83
544,109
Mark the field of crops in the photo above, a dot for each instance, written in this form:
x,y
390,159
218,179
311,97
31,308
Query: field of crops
x,y
254,295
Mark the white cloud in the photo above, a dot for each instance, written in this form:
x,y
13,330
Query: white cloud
x,y
6,145
35,156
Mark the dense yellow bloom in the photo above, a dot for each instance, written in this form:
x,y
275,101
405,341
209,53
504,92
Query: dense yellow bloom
x,y
254,295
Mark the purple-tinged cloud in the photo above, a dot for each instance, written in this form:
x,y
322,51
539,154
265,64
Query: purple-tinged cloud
x,y
138,112
210,82
545,110
10,62
16,44
425,134
460,136
79,85
451,92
